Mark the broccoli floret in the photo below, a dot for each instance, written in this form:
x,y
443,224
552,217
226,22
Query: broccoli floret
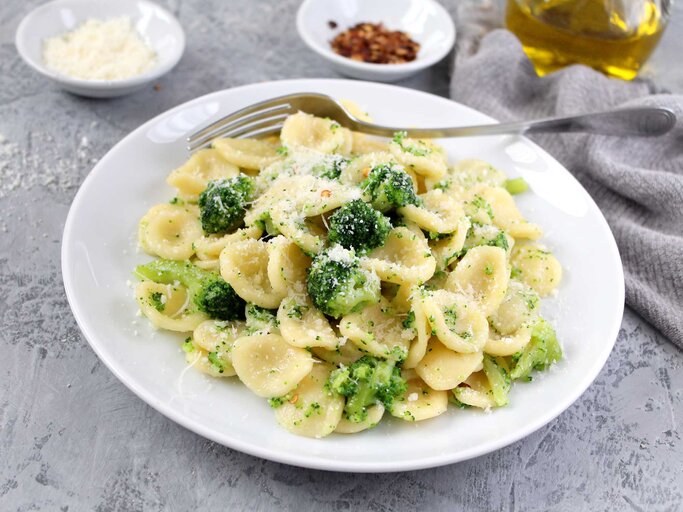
x,y
389,186
209,293
338,285
222,203
358,226
366,382
542,351
259,319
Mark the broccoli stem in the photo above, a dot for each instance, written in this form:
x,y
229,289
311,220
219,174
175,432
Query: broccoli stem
x,y
498,378
516,185
170,272
208,291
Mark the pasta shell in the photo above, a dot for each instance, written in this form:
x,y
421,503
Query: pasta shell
x,y
313,411
268,365
169,231
443,369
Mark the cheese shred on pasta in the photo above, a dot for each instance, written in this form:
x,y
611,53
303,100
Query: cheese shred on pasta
x,y
434,276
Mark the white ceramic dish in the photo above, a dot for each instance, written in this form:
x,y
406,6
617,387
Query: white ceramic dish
x,y
158,27
99,253
426,21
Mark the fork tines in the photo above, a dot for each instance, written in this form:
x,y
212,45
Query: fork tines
x,y
256,120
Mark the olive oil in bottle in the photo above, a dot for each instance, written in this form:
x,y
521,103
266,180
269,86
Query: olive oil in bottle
x,y
612,36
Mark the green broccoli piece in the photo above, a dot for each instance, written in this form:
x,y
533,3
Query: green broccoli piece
x,y
187,346
499,379
419,148
216,362
409,320
265,222
389,186
338,285
209,293
358,226
330,167
259,319
368,381
516,185
157,300
222,204
542,351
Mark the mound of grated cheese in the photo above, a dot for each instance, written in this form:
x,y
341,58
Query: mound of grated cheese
x,y
99,50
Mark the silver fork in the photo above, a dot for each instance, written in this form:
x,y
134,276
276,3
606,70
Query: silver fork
x,y
266,118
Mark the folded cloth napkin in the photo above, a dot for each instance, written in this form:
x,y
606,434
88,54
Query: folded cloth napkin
x,y
636,182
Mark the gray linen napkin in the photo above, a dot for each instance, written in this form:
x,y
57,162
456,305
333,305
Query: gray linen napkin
x,y
636,182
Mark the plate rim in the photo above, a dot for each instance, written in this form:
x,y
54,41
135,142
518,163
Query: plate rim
x,y
308,461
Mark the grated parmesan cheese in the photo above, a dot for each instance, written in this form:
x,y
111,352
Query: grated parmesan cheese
x,y
100,50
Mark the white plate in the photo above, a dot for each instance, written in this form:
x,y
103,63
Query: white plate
x,y
425,21
99,252
158,27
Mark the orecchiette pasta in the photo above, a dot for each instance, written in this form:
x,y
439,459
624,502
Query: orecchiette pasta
x,y
205,165
377,330
287,266
312,411
166,306
268,365
216,339
405,258
457,321
437,214
375,413
322,135
343,276
422,156
443,369
420,402
302,325
169,231
209,247
506,215
244,265
537,267
482,274
247,153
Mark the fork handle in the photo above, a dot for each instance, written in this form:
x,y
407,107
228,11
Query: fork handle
x,y
634,121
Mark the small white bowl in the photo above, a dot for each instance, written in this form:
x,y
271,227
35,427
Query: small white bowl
x,y
425,21
158,27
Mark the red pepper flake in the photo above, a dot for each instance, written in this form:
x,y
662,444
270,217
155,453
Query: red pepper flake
x,y
157,87
294,399
326,193
366,172
373,42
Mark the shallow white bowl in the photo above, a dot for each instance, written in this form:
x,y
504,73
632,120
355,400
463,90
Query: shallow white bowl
x,y
425,21
158,27
99,253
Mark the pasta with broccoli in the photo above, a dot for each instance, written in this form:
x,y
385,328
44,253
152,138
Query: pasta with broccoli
x,y
346,278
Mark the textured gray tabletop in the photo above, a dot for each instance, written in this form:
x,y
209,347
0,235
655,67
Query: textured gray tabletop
x,y
72,437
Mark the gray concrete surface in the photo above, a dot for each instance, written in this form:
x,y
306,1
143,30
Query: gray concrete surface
x,y
74,438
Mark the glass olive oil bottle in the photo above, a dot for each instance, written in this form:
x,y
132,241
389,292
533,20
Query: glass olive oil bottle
x,y
612,36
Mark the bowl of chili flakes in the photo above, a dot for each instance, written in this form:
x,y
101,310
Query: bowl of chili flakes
x,y
381,40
